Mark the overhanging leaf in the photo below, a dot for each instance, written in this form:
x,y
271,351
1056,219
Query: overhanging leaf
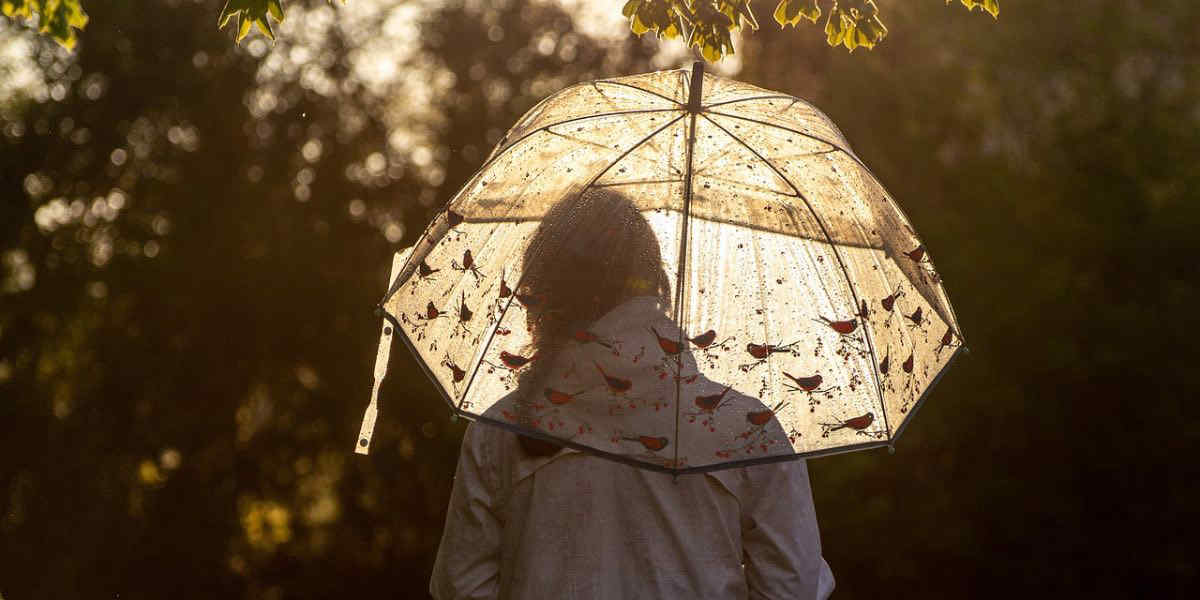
x,y
57,18
992,7
790,12
251,13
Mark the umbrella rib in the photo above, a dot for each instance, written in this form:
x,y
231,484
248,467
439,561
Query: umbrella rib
x,y
634,87
681,274
710,219
517,286
649,466
836,254
790,130
780,96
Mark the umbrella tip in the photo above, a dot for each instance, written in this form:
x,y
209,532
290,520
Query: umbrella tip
x,y
697,83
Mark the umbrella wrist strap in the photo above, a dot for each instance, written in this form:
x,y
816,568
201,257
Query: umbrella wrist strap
x,y
386,331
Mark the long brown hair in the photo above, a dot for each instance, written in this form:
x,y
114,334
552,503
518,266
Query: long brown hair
x,y
592,252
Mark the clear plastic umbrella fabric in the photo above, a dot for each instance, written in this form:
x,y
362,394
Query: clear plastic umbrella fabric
x,y
680,271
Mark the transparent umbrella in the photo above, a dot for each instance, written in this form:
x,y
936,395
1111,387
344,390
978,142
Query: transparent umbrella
x,y
678,271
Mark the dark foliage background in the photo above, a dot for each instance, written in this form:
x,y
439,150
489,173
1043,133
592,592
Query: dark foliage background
x,y
193,235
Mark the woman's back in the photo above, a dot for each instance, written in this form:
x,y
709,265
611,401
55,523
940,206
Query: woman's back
x,y
575,526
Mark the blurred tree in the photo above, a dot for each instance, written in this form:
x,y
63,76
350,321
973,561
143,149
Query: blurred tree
x,y
708,25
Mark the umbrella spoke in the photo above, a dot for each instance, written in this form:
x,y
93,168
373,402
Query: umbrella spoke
x,y
643,90
769,97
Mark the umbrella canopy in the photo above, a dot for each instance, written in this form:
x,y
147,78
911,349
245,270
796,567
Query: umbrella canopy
x,y
680,271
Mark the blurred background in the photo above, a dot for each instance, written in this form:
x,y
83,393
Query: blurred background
x,y
193,236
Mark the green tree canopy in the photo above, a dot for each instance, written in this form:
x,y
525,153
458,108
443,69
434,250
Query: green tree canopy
x,y
707,25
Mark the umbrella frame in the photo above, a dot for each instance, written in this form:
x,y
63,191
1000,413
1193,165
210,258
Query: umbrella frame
x,y
693,109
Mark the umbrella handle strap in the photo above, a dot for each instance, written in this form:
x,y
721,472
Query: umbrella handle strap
x,y
386,332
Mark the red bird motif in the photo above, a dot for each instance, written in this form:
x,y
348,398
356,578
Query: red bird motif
x,y
616,384
424,270
457,373
558,398
504,291
431,311
759,418
468,264
883,366
669,346
863,311
711,402
916,317
704,340
807,384
857,423
908,364
453,218
947,340
916,254
842,327
514,361
761,351
653,444
464,313
889,301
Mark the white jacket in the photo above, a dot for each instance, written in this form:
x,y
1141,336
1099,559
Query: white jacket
x,y
575,526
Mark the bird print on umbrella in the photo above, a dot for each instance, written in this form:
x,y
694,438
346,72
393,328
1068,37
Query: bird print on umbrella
x,y
850,342
755,438
947,341
761,352
859,424
707,406
425,273
809,385
422,320
457,373
705,343
916,319
910,379
468,265
920,257
510,365
464,316
617,386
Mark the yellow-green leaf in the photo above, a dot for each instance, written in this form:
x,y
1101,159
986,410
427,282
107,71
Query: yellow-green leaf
x,y
638,26
251,13
992,7
56,18
630,7
276,10
790,12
